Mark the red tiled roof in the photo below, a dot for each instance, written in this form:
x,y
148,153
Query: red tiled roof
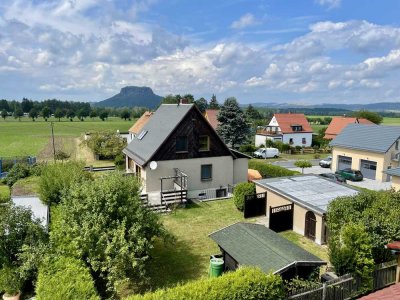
x,y
137,127
339,123
392,292
211,116
285,122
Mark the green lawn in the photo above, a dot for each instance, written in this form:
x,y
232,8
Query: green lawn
x,y
386,121
30,138
188,257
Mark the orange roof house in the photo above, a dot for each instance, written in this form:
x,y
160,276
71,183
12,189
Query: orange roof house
x,y
137,127
211,116
292,129
339,123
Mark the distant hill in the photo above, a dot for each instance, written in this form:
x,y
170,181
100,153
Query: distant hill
x,y
131,96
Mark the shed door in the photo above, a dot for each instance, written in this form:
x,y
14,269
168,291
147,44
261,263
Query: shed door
x,y
281,218
311,222
368,169
344,162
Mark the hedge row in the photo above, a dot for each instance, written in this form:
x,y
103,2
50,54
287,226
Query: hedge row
x,y
65,278
245,283
241,191
268,171
4,193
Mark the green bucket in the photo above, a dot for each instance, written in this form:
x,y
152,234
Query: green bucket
x,y
216,267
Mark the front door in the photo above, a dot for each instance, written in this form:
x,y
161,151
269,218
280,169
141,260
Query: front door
x,y
310,226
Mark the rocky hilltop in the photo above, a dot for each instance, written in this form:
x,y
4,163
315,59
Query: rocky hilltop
x,y
131,96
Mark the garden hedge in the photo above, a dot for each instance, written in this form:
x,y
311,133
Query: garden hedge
x,y
268,171
245,283
65,278
4,193
241,191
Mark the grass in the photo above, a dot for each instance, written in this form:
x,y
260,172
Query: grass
x,y
305,243
188,257
4,193
25,137
26,187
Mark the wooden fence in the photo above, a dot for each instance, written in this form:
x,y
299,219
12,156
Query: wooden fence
x,y
347,286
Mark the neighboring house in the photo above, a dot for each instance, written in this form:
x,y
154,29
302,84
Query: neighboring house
x,y
370,149
212,117
177,149
395,177
247,244
339,123
292,129
299,203
137,127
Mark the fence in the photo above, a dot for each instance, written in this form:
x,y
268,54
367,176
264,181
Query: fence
x,y
6,163
347,286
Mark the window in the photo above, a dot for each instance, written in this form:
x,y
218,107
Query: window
x,y
297,128
304,141
204,143
206,172
181,144
291,141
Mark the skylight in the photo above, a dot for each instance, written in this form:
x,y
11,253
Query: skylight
x,y
142,134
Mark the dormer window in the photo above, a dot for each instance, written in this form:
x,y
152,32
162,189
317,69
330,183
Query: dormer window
x,y
297,127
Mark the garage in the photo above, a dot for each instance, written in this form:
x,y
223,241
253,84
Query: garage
x,y
368,169
344,162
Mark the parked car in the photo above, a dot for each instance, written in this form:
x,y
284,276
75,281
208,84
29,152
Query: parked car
x,y
326,162
350,174
266,153
334,177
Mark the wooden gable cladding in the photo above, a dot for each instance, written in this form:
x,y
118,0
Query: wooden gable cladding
x,y
192,126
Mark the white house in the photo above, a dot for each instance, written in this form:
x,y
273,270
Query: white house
x,y
292,129
177,149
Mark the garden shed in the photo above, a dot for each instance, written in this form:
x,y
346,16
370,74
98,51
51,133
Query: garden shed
x,y
248,244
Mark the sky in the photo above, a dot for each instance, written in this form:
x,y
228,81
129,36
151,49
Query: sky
x,y
282,51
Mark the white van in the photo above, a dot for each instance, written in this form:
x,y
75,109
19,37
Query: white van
x,y
266,153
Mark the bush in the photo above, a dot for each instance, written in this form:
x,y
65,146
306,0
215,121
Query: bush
x,y
4,193
65,278
247,148
18,171
241,191
119,161
107,144
10,281
245,283
269,171
58,177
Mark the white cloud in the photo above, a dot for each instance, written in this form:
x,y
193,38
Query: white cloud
x,y
246,20
329,3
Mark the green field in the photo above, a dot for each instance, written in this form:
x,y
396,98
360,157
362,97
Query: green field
x,y
26,137
386,120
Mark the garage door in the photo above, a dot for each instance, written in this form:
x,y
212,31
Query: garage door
x,y
344,162
368,168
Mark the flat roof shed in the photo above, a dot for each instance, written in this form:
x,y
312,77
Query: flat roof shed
x,y
256,245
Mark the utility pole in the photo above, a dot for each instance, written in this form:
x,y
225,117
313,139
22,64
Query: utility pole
x,y
52,136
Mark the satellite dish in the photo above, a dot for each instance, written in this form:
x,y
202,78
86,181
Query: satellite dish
x,y
153,165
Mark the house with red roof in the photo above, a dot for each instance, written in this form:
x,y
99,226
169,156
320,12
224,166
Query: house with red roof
x,y
212,117
339,123
292,129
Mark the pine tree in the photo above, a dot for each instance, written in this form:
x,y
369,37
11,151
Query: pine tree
x,y
213,103
233,127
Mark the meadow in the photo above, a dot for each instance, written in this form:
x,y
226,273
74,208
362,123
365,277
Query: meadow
x,y
27,137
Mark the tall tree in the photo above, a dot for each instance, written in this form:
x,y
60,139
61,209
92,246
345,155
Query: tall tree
x,y
103,115
59,113
4,114
369,115
71,115
46,113
18,113
125,114
233,126
26,105
201,104
213,103
93,114
253,113
189,98
33,114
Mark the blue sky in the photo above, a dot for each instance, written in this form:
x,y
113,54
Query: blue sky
x,y
298,51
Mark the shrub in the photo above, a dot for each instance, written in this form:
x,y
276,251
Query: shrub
x,y
303,164
241,191
64,278
10,281
18,171
119,161
4,193
268,171
247,148
107,144
58,177
245,283
317,156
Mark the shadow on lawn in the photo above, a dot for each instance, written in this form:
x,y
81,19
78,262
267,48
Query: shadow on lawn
x,y
172,263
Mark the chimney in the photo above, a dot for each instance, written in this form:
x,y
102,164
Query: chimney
x,y
184,101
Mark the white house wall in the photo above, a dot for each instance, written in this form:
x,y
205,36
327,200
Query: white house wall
x,y
222,173
260,140
298,139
